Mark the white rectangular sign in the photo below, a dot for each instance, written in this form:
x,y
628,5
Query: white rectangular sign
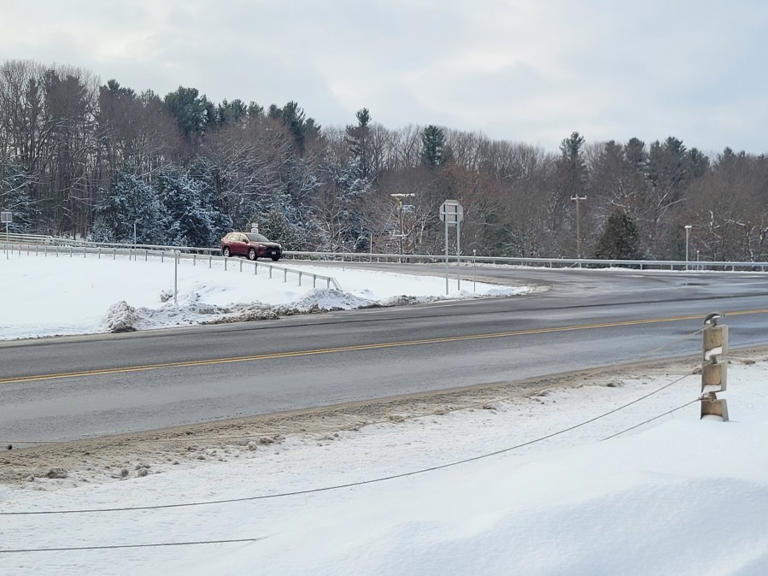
x,y
6,217
451,212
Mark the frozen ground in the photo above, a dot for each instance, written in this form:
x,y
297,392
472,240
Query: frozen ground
x,y
45,296
677,496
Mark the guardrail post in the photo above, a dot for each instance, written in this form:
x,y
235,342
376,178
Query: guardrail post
x,y
714,368
225,264
114,253
255,268
99,253
314,280
70,251
194,260
241,265
327,282
270,272
146,255
162,256
299,278
210,260
285,275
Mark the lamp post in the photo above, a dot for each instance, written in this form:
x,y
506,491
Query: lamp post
x,y
399,198
687,234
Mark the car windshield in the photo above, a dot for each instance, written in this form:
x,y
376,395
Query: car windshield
x,y
257,238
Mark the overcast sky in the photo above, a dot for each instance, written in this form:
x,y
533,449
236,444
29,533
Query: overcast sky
x,y
520,70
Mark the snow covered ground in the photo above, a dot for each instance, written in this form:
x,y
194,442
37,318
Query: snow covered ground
x,y
678,496
45,296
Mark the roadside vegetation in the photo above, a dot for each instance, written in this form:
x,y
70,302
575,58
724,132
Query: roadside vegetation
x,y
93,160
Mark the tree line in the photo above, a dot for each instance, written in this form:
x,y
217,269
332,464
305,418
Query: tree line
x,y
101,161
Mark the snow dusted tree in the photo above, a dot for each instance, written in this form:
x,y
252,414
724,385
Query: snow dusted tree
x,y
276,227
359,142
188,222
14,196
212,196
129,201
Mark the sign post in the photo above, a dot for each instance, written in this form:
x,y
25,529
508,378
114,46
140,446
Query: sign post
x,y
452,213
6,217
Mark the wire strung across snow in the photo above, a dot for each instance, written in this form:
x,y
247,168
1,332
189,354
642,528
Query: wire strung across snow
x,y
360,482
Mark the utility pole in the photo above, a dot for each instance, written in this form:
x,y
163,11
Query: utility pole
x,y
576,198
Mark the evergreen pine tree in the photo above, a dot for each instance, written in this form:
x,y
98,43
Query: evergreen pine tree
x,y
188,221
358,139
434,151
14,196
129,201
619,240
212,189
276,227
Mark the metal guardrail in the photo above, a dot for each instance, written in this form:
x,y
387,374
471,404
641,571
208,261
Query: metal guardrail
x,y
691,265
106,250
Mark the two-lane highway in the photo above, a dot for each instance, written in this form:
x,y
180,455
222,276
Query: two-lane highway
x,y
73,387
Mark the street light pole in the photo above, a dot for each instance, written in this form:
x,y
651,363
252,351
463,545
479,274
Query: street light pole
x,y
399,198
687,234
576,198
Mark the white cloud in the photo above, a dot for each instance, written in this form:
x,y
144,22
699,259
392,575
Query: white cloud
x,y
521,70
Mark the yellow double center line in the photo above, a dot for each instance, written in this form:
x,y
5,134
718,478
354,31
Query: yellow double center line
x,y
361,347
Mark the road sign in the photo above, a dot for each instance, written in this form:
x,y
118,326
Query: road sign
x,y
6,217
451,212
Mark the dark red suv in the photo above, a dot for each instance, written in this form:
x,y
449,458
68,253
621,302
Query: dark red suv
x,y
250,245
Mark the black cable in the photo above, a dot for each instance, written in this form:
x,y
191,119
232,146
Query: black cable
x,y
116,546
651,419
348,484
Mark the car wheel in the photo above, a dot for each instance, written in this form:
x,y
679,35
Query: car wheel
x,y
276,257
226,252
252,254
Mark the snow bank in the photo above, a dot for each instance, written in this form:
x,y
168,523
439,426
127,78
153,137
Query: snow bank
x,y
44,296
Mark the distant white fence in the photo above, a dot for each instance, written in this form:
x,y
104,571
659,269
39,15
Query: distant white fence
x,y
57,247
417,258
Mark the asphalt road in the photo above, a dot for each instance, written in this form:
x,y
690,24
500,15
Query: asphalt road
x,y
76,387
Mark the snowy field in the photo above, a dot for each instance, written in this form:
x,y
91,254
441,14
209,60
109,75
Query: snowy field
x,y
678,496
46,296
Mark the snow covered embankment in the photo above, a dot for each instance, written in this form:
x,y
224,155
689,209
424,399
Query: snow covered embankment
x,y
45,296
